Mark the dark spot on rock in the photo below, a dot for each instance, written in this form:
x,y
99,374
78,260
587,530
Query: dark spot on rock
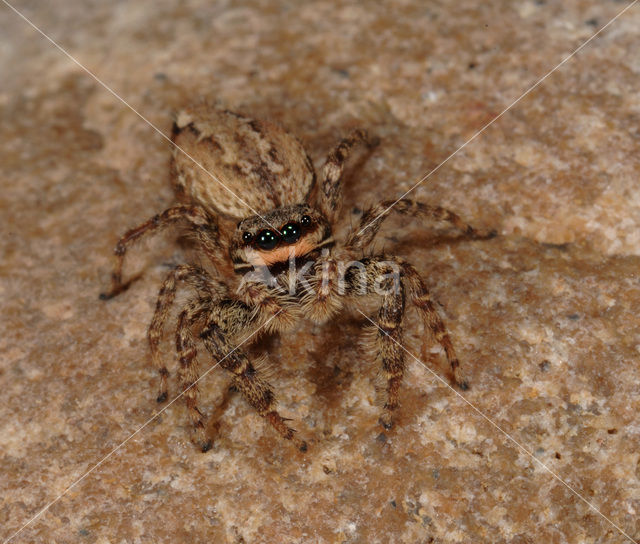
x,y
544,365
591,22
558,456
393,503
612,431
560,247
341,72
382,438
574,317
471,65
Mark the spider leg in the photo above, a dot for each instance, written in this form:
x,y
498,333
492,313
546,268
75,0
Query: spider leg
x,y
381,276
373,218
207,288
391,278
247,378
204,225
422,301
275,311
322,299
188,372
389,348
330,197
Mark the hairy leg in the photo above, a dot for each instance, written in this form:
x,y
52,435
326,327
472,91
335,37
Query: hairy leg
x,y
330,197
388,345
373,218
207,288
248,378
321,298
390,278
382,277
275,310
422,300
204,225
188,371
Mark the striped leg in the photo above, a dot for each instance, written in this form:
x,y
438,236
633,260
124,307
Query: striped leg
x,y
391,278
389,347
248,380
382,277
206,287
204,225
422,300
330,197
373,218
188,372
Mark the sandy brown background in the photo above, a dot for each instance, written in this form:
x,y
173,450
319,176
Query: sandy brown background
x,y
545,316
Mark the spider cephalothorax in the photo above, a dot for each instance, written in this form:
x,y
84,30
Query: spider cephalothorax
x,y
276,236
290,265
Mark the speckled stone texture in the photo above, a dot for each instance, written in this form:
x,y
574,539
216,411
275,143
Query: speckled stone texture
x,y
544,317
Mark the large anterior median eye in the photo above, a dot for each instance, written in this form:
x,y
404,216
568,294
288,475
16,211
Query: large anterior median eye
x,y
267,239
291,233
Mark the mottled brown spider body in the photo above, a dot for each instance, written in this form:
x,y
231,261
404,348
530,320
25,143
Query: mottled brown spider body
x,y
283,252
264,166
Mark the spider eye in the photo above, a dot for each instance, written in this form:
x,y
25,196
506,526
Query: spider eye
x,y
306,220
291,233
267,239
247,236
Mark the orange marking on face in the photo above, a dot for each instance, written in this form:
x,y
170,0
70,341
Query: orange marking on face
x,y
281,254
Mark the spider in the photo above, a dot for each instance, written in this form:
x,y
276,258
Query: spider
x,y
284,232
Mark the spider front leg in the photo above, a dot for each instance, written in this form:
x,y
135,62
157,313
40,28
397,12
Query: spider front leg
x,y
233,319
204,225
383,277
322,296
204,285
391,278
330,197
373,218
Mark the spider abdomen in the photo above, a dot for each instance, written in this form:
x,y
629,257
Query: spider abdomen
x,y
255,166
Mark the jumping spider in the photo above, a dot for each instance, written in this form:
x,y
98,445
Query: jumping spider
x,y
268,171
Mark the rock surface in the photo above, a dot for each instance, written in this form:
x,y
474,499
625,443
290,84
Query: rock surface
x,y
544,317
